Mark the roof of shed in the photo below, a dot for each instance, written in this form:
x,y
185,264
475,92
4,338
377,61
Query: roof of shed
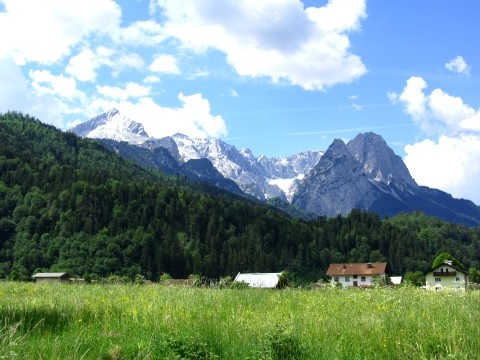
x,y
375,268
259,280
49,275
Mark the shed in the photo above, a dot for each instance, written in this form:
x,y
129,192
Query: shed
x,y
396,280
51,277
259,280
181,282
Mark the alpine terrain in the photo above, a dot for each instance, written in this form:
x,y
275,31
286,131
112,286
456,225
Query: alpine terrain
x,y
364,173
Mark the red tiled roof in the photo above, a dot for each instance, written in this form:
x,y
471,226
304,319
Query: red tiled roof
x,y
375,268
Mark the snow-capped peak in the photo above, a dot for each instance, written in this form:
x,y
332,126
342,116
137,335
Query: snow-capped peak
x,y
112,125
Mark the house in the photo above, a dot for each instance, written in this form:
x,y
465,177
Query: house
x,y
259,280
51,277
446,276
357,275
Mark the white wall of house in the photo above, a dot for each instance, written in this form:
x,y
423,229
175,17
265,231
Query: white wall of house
x,y
446,277
355,280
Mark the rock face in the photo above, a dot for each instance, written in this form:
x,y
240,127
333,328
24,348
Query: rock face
x,y
260,177
366,174
362,174
336,185
379,162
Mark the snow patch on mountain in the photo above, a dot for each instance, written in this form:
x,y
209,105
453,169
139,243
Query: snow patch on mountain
x,y
261,177
113,125
288,186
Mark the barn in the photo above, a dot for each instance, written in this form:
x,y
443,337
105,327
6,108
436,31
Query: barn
x,y
51,277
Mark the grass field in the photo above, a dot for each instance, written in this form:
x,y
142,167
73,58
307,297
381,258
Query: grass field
x,y
160,322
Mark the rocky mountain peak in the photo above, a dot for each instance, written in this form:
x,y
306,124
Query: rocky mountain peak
x,y
112,125
378,160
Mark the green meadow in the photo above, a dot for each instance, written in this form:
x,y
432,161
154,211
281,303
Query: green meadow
x,y
56,321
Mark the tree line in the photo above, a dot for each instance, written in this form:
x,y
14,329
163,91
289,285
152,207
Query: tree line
x,y
68,204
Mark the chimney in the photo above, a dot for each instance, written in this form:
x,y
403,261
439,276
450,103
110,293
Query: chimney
x,y
344,266
369,265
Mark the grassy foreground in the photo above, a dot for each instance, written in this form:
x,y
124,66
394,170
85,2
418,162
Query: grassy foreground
x,y
160,322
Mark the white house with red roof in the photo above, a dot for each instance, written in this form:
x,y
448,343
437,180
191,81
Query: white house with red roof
x,y
357,274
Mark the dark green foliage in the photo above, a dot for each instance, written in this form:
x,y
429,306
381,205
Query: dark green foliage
x,y
440,259
68,204
415,278
281,344
189,347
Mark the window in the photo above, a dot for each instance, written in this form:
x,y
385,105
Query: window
x,y
335,279
457,279
362,278
355,276
347,278
438,279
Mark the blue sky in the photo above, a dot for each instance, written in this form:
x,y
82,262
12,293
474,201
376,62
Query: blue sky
x,y
276,76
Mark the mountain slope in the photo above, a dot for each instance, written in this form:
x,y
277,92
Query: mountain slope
x,y
69,204
155,155
260,177
112,125
366,174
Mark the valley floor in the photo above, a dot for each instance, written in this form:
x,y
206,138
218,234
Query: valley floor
x,y
164,322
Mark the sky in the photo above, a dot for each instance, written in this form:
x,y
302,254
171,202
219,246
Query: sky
x,y
275,76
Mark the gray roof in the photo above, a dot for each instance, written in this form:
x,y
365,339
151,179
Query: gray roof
x,y
49,275
259,280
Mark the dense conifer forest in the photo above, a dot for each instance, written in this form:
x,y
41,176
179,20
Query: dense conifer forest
x,y
68,204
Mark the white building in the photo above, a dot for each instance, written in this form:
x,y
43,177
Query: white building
x,y
357,275
446,276
259,280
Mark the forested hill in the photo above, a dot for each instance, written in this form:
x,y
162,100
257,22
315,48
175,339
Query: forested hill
x,y
68,204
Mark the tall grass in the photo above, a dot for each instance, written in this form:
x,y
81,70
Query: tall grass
x,y
160,322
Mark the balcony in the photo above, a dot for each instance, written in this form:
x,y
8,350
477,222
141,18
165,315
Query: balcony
x,y
444,273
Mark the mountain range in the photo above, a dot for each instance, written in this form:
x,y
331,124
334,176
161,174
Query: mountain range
x,y
363,174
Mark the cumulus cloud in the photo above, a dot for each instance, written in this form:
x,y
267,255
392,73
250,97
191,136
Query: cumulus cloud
x,y
45,31
44,82
451,161
276,39
192,118
140,33
166,64
131,90
437,112
458,65
85,65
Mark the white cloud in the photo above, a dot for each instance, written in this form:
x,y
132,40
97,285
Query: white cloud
x,y
276,39
437,112
192,118
166,64
85,65
140,33
131,90
414,98
458,65
451,163
44,82
45,31
151,79
15,95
